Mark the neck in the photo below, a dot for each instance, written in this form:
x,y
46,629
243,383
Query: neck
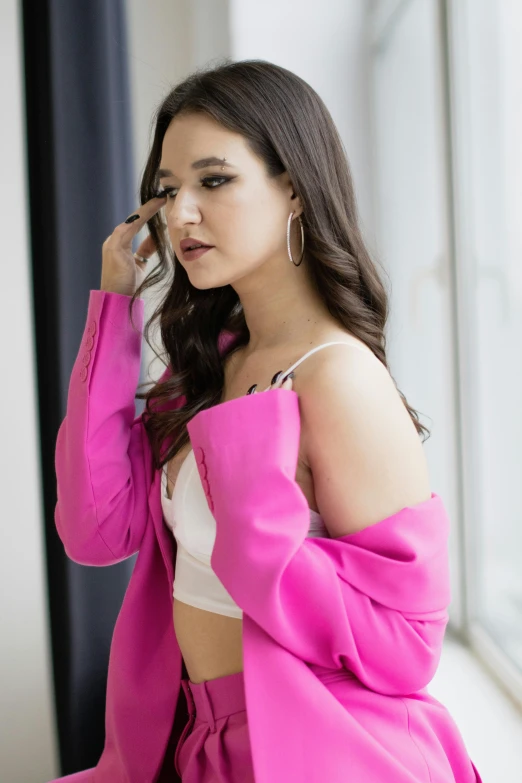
x,y
281,311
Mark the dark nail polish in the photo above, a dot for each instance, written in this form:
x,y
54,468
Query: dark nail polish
x,y
132,218
290,375
252,389
276,377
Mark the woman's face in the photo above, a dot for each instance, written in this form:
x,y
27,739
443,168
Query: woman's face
x,y
238,210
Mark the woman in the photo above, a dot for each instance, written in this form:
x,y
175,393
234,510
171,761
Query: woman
x,y
289,601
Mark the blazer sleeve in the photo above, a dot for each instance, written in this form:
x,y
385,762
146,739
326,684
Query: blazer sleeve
x,y
102,446
374,602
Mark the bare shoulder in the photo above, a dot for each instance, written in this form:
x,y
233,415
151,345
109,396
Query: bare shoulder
x,y
358,439
347,359
347,380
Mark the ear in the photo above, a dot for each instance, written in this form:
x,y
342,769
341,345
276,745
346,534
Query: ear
x,y
296,205
295,202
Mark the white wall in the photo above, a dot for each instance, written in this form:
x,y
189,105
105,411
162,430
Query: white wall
x,y
28,751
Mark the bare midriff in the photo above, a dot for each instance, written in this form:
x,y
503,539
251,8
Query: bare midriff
x,y
210,643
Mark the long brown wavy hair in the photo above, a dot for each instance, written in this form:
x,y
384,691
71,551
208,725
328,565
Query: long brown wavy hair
x,y
287,125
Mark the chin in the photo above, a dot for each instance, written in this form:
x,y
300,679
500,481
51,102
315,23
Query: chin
x,y
206,282
205,279
202,287
216,275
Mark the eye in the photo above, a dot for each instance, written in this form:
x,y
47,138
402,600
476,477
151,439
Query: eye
x,y
168,191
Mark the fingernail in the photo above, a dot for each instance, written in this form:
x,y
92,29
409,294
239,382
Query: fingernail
x,y
290,375
252,389
132,218
276,377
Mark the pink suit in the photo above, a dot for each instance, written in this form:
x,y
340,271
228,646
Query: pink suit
x,y
373,603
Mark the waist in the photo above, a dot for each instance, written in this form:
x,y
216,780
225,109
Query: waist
x,y
213,699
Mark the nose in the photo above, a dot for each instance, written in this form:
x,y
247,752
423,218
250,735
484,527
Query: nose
x,y
183,209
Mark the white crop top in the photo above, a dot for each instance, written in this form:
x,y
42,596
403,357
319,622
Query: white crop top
x,y
189,518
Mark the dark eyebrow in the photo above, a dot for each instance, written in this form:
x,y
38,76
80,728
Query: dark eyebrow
x,y
198,164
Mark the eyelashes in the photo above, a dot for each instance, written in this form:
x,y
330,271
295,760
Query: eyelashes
x,y
222,180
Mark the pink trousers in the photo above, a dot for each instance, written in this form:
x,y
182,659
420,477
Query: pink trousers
x,y
214,746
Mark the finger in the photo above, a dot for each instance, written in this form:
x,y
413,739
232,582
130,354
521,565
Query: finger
x,y
147,248
287,383
278,376
128,230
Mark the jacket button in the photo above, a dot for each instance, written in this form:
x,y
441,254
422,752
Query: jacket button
x,y
86,358
91,329
210,503
205,486
89,343
83,373
203,470
199,455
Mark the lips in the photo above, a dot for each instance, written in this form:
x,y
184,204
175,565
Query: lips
x,y
192,255
190,242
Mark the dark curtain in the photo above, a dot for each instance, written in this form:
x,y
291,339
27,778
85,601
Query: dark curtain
x,y
81,185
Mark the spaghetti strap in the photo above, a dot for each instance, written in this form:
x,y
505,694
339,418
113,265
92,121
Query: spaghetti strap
x,y
318,348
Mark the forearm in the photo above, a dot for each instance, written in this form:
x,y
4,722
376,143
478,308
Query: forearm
x,y
99,448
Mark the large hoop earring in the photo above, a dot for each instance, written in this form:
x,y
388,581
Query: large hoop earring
x,y
288,239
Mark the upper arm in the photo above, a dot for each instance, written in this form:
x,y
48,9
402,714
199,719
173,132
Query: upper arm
x,y
361,444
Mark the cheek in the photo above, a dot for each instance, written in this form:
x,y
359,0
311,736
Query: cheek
x,y
257,226
238,229
266,232
251,241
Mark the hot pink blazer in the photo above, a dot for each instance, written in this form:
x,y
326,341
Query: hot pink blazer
x,y
373,603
